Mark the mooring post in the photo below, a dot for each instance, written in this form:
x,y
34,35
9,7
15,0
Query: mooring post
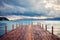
x,y
12,27
16,25
5,29
46,27
52,30
42,26
19,25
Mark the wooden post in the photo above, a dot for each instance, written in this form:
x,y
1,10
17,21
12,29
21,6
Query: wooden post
x,y
5,29
19,25
42,26
16,25
46,27
12,27
52,30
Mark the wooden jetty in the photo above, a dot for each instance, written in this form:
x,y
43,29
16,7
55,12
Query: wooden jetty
x,y
29,32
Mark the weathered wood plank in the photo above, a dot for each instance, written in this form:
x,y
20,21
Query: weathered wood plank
x,y
29,32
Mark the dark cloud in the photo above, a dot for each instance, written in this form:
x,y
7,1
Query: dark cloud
x,y
30,7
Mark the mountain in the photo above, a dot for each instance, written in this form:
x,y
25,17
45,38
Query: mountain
x,y
57,18
3,19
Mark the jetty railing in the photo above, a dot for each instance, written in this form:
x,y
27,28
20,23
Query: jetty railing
x,y
18,25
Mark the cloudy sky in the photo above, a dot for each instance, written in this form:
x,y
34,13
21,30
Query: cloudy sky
x,y
30,9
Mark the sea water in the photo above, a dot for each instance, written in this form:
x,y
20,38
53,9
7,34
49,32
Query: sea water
x,y
50,23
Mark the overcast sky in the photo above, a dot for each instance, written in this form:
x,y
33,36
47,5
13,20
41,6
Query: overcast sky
x,y
35,9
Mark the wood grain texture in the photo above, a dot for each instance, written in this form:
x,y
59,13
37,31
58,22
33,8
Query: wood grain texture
x,y
29,32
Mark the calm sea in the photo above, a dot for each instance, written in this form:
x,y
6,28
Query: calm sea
x,y
49,23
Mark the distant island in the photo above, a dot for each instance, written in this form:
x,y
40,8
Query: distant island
x,y
3,19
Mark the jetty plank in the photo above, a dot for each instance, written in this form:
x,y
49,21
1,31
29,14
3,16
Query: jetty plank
x,y
29,32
